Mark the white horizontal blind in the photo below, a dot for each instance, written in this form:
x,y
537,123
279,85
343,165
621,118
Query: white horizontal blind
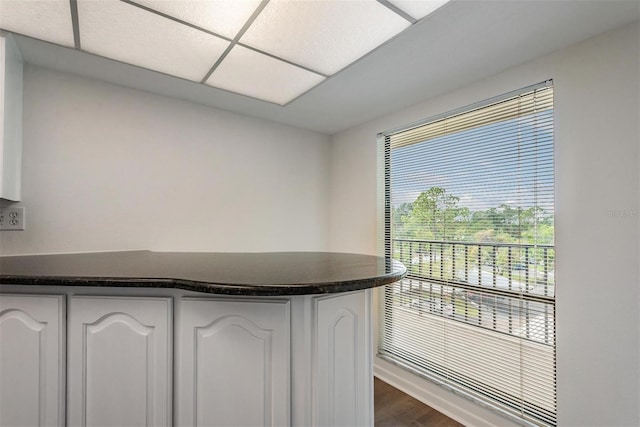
x,y
469,208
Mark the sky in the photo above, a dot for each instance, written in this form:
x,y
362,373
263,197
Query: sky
x,y
508,162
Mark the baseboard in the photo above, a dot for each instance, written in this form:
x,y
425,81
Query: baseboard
x,y
452,405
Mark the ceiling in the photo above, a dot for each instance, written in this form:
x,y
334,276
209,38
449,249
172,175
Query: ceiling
x,y
272,50
299,66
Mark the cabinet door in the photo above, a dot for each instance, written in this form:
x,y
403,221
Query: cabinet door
x,y
343,360
232,363
119,361
31,360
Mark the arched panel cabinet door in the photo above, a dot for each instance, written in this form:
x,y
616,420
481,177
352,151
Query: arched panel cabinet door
x,y
119,361
31,360
343,366
232,362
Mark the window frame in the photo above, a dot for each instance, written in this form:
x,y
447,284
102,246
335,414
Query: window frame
x,y
385,246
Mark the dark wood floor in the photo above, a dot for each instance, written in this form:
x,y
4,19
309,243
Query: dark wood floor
x,y
393,408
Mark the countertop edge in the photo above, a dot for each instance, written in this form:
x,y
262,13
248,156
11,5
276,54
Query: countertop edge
x,y
206,287
236,274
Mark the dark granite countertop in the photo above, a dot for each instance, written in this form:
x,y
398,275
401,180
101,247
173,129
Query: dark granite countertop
x,y
275,273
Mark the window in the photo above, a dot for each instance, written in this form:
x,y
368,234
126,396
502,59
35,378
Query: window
x,y
469,210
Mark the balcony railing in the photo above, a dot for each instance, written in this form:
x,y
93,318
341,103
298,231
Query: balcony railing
x,y
508,288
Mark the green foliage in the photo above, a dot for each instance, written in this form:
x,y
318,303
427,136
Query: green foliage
x,y
436,215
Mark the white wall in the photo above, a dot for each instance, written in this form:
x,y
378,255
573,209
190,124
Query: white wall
x,y
597,222
110,168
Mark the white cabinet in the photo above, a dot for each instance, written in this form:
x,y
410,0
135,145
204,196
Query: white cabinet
x,y
232,362
31,360
343,360
119,361
237,361
10,119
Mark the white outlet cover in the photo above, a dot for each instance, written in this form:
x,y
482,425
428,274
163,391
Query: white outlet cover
x,y
11,218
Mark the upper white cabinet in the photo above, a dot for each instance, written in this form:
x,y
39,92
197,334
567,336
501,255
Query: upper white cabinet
x,y
119,361
31,360
10,119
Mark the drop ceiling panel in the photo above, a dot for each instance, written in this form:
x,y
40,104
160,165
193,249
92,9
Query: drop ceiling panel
x,y
223,17
48,20
260,76
419,9
321,35
113,29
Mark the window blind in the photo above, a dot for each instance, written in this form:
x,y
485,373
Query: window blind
x,y
469,209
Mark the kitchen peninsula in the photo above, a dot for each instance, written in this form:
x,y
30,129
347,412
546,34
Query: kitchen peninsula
x,y
159,339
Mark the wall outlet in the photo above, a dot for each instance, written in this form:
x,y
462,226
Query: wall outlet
x,y
11,219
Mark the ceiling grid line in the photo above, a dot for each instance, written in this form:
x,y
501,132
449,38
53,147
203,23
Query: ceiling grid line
x,y
392,7
73,4
235,40
217,63
173,18
311,70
